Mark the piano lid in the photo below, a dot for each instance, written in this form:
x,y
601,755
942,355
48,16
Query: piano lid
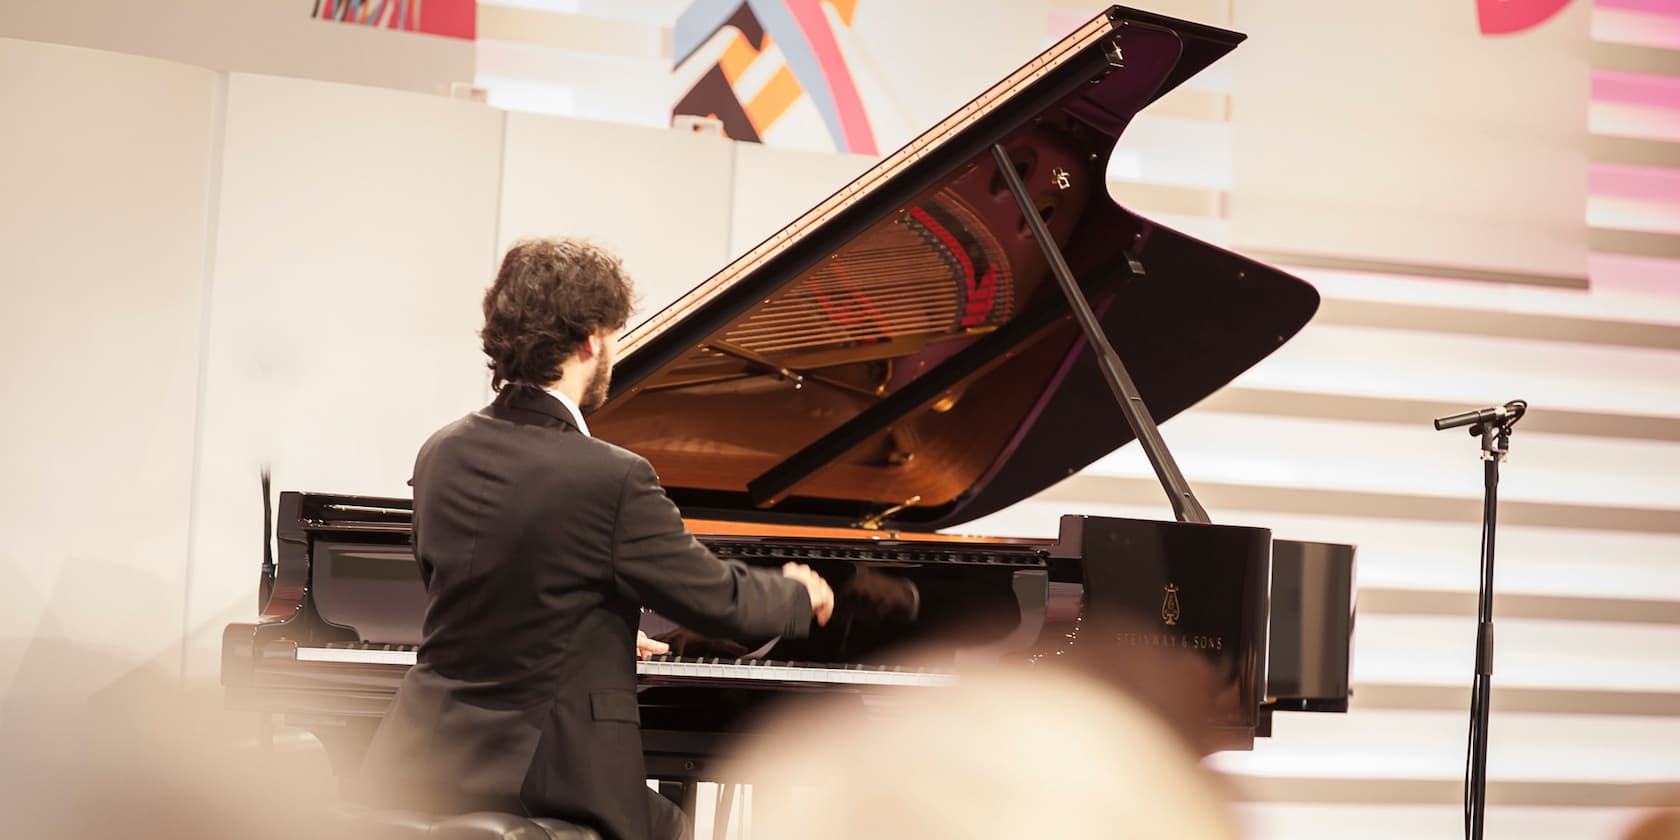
x,y
900,354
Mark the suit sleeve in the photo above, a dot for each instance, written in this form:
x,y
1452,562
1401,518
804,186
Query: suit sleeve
x,y
658,563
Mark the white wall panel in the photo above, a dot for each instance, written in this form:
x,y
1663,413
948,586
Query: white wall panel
x,y
1531,560
356,236
651,195
1629,23
1474,370
1419,141
636,90
103,214
1425,745
928,77
776,186
1637,289
1440,650
1291,821
1413,459
1421,555
1174,150
1655,215
1622,119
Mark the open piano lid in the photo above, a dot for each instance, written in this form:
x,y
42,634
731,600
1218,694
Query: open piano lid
x,y
902,348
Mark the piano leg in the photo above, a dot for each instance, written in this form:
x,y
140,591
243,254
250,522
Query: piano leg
x,y
346,744
671,811
682,794
725,804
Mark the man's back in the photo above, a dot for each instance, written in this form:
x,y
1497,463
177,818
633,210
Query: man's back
x,y
538,546
514,527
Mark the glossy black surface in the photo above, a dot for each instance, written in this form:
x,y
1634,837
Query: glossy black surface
x,y
992,412
1099,588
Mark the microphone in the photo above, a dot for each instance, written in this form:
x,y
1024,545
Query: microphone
x,y
1510,412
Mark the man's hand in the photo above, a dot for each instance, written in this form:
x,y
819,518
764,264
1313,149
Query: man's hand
x,y
685,642
646,647
822,598
880,597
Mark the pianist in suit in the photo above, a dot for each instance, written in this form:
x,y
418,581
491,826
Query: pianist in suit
x,y
539,546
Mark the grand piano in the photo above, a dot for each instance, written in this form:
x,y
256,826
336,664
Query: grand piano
x,y
967,323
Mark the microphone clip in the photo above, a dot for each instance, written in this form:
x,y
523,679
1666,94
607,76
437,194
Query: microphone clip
x,y
1497,416
1492,425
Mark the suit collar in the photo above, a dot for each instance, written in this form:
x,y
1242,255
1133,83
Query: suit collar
x,y
526,404
571,408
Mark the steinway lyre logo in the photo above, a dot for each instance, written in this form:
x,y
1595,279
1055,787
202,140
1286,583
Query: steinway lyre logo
x,y
1169,605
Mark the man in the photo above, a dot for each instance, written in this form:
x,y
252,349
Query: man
x,y
539,546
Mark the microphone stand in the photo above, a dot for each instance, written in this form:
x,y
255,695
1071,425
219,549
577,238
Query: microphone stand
x,y
1493,425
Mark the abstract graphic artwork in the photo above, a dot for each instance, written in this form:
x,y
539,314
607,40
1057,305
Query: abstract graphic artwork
x,y
450,18
1503,17
781,51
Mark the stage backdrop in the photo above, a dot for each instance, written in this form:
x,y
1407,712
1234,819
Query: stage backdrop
x,y
342,291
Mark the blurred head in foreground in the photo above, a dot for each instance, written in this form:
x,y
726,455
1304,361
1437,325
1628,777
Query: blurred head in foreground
x,y
1662,821
1657,825
1010,754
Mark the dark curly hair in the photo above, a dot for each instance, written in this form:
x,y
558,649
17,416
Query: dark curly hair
x,y
549,297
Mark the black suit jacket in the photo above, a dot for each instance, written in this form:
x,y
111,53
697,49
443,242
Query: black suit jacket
x,y
538,546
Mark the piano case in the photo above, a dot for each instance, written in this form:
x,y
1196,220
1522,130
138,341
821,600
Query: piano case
x,y
894,363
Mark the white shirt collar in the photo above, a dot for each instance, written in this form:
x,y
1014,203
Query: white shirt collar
x,y
577,414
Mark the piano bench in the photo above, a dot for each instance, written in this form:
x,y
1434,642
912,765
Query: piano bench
x,y
365,824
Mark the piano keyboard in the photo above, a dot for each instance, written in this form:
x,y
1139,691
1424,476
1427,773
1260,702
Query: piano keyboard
x,y
679,668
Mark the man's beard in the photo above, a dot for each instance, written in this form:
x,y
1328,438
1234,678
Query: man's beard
x,y
595,393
